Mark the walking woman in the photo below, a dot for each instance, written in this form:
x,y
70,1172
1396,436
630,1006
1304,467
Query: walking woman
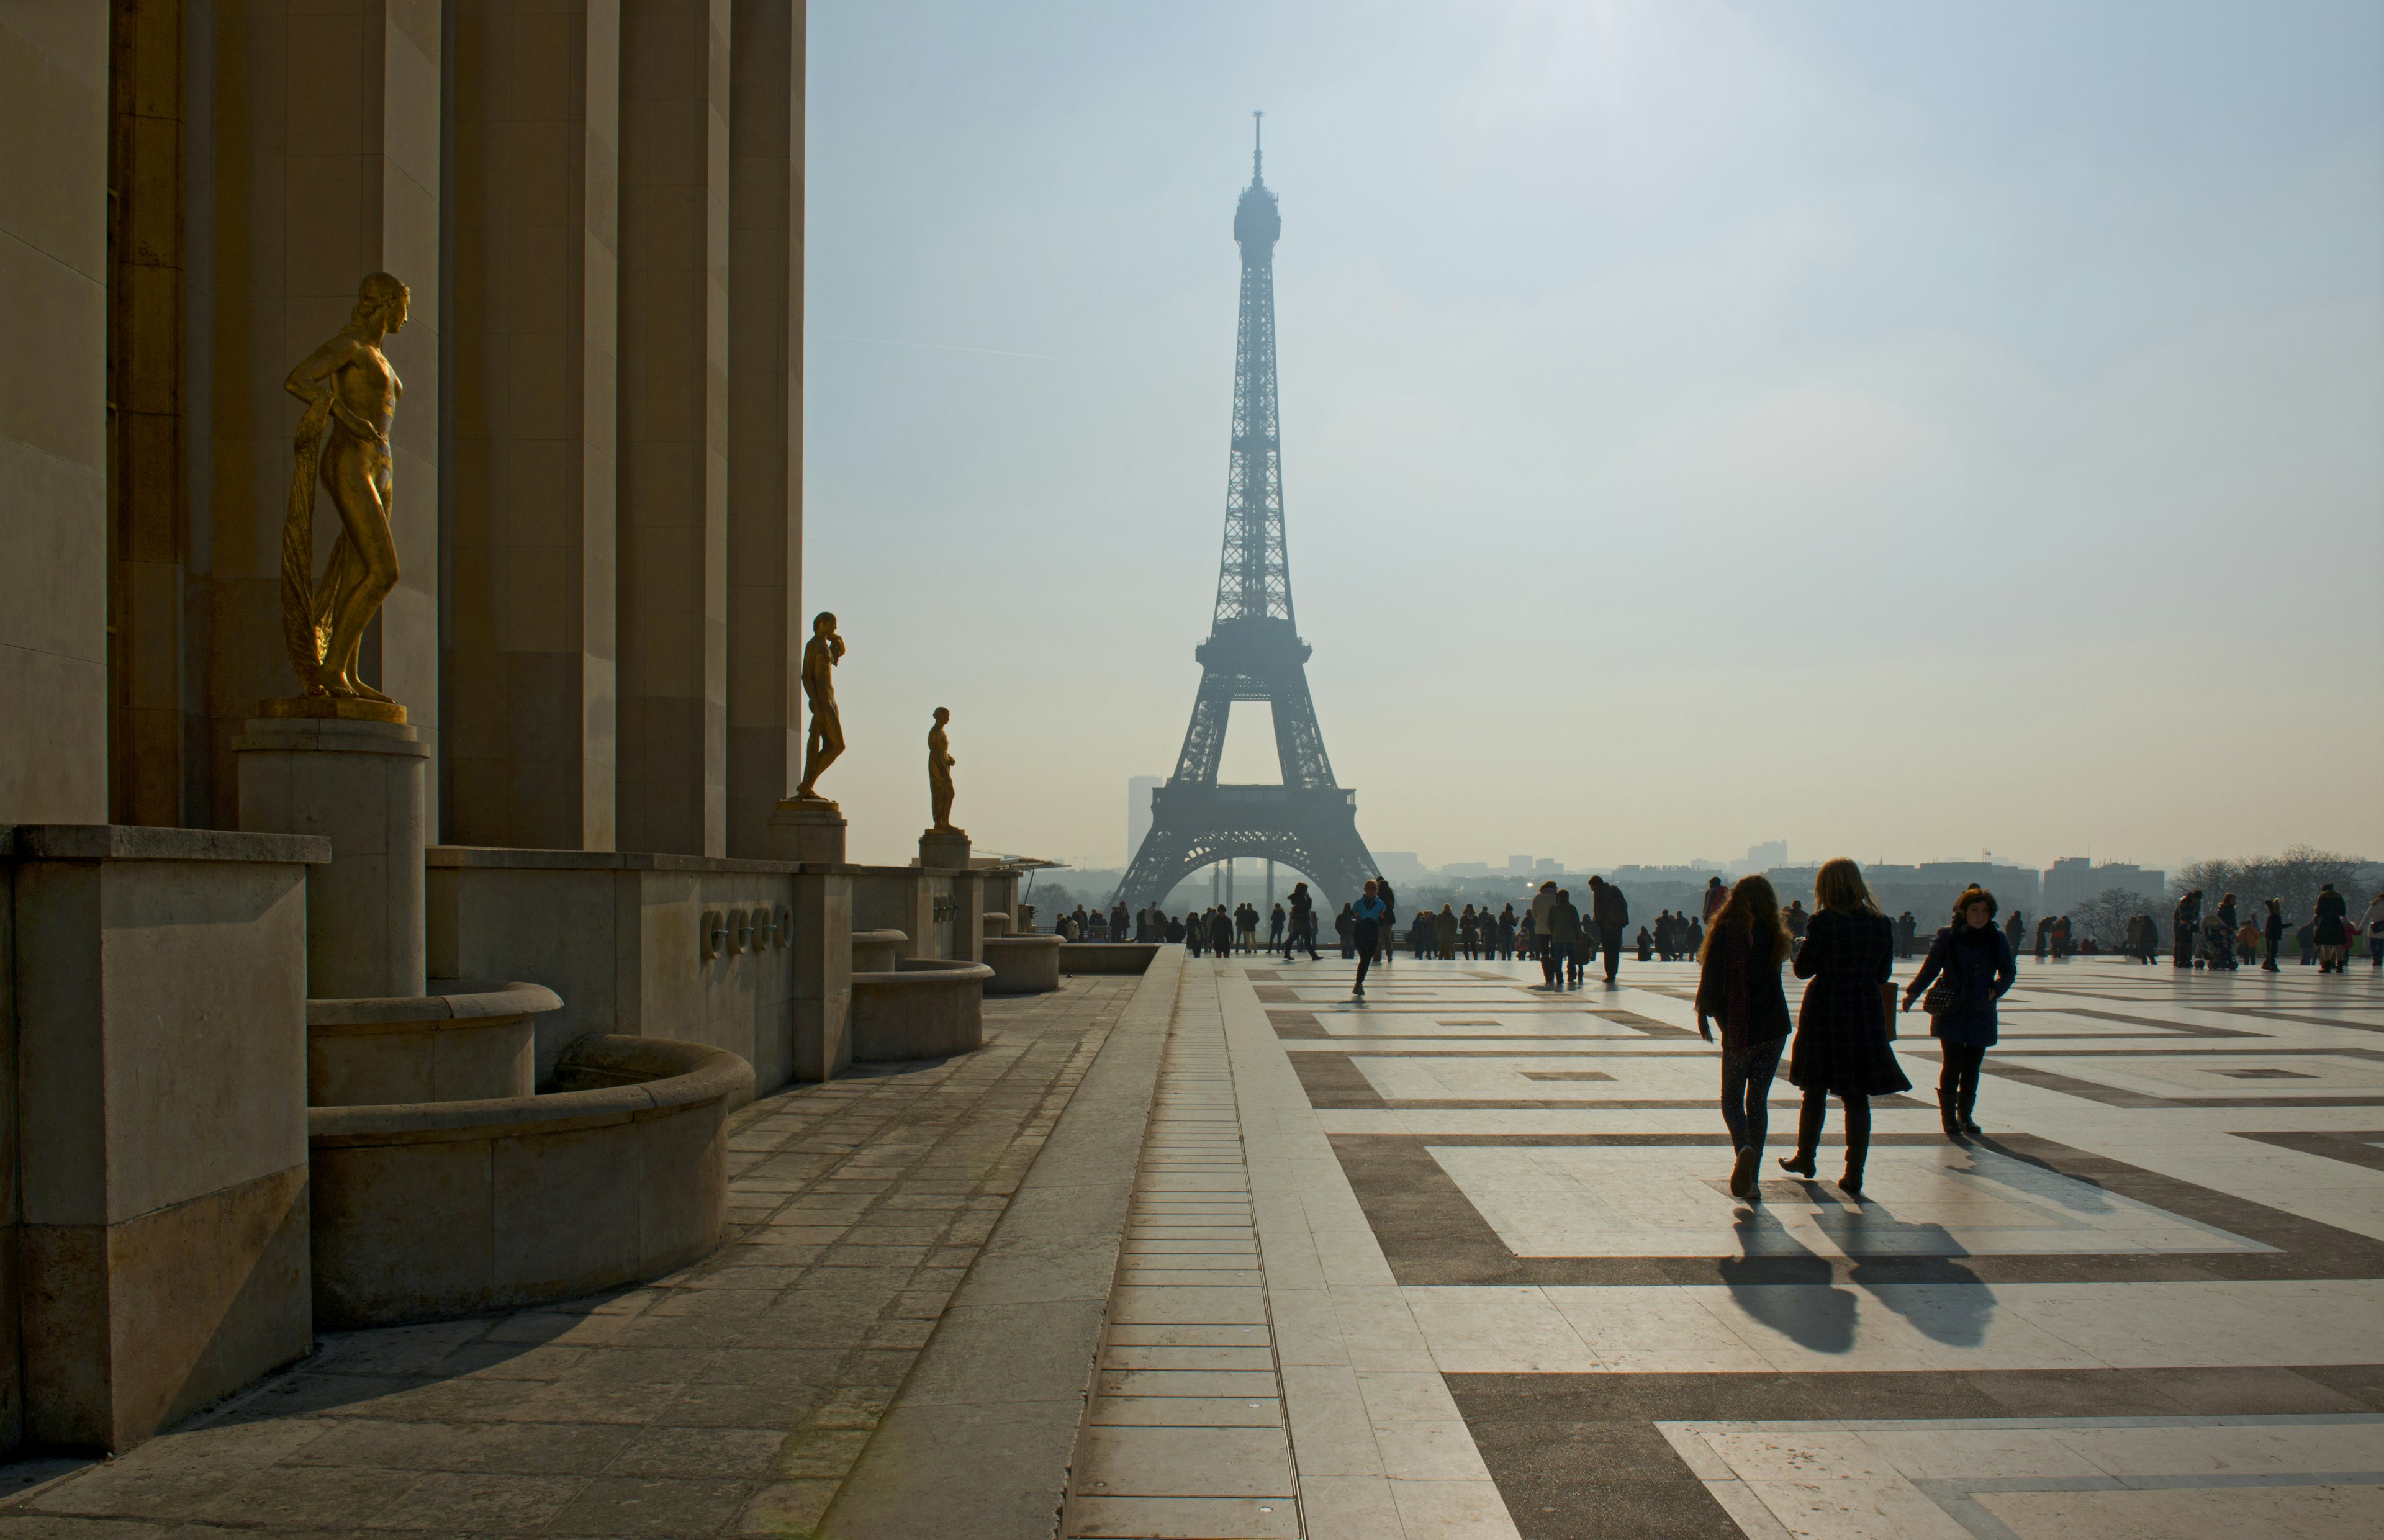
x,y
1346,925
1841,1047
1740,987
1971,966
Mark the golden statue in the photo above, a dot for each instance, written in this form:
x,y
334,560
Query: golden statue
x,y
939,772
825,739
351,394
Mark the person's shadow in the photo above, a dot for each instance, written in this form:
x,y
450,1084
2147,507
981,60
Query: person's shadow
x,y
1776,1280
1915,1270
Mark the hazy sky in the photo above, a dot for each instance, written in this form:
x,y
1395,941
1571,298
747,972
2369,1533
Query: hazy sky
x,y
1905,430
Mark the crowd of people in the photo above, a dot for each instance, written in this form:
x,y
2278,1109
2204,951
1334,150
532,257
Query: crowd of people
x,y
1556,932
2223,940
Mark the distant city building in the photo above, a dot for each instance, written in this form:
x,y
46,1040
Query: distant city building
x,y
1399,866
1763,857
2073,879
1546,863
1137,809
1928,890
1466,869
1520,864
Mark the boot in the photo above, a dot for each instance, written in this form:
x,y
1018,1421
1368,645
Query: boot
x,y
1850,1183
1947,1114
1969,1100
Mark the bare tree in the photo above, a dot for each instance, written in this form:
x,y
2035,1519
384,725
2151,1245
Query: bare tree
x,y
2105,915
2294,876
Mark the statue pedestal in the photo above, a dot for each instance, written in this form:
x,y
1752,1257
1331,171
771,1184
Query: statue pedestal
x,y
357,783
807,829
944,850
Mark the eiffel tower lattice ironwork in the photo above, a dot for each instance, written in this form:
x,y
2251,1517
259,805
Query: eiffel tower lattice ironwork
x,y
1254,653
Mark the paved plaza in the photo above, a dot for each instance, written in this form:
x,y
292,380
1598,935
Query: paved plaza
x,y
1458,1260
1490,1239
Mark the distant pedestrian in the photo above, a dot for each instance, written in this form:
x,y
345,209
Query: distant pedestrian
x,y
1275,919
1738,984
2043,936
1507,932
2372,924
2333,930
1797,919
2013,931
1970,967
1373,918
1841,1047
1444,932
1716,896
1609,912
1906,930
1346,924
1646,945
2185,925
1469,932
1391,919
1220,931
1303,923
1564,940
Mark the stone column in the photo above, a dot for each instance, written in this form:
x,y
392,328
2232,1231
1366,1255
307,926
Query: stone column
x,y
161,1085
533,211
358,785
54,429
765,414
325,127
673,788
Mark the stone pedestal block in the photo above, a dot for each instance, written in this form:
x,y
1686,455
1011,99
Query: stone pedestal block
x,y
358,785
807,831
822,948
161,1136
944,850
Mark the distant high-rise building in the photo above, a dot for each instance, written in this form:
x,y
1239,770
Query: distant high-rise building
x,y
1520,864
1770,853
1399,866
1546,863
2073,879
1137,809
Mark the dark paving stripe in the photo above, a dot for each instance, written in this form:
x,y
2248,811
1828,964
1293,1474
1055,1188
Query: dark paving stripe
x,y
2113,1095
2353,1148
1432,1234
1578,1457
1296,1023
1330,1080
2165,1026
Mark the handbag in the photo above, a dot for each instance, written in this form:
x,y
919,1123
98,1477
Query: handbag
x,y
1940,999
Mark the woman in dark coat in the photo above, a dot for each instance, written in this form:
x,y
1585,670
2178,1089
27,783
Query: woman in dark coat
x,y
1739,986
1972,966
1841,1047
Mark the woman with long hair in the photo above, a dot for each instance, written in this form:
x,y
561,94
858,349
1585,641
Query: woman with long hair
x,y
1842,1046
1972,966
1739,986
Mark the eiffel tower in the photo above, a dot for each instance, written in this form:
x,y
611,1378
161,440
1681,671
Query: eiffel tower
x,y
1309,823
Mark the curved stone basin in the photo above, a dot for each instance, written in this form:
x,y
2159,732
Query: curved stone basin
x,y
1022,965
928,1008
878,952
433,1210
466,1040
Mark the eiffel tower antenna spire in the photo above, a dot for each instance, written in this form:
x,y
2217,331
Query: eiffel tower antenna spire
x,y
1254,653
1257,148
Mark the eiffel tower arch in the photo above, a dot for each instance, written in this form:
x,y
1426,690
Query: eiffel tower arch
x,y
1254,651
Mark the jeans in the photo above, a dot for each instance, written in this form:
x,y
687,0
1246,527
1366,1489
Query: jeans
x,y
1746,1091
1370,936
1816,1112
1609,940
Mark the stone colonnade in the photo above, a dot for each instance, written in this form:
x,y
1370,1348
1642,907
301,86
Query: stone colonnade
x,y
597,205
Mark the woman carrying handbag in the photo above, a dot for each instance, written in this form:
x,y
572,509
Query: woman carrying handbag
x,y
1844,1026
1970,965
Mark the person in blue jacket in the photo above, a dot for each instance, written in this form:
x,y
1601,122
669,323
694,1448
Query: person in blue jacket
x,y
1972,964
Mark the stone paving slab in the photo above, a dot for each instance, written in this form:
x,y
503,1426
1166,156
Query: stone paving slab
x,y
730,1398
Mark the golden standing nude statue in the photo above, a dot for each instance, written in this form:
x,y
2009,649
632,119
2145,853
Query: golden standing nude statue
x,y
825,739
939,772
351,394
